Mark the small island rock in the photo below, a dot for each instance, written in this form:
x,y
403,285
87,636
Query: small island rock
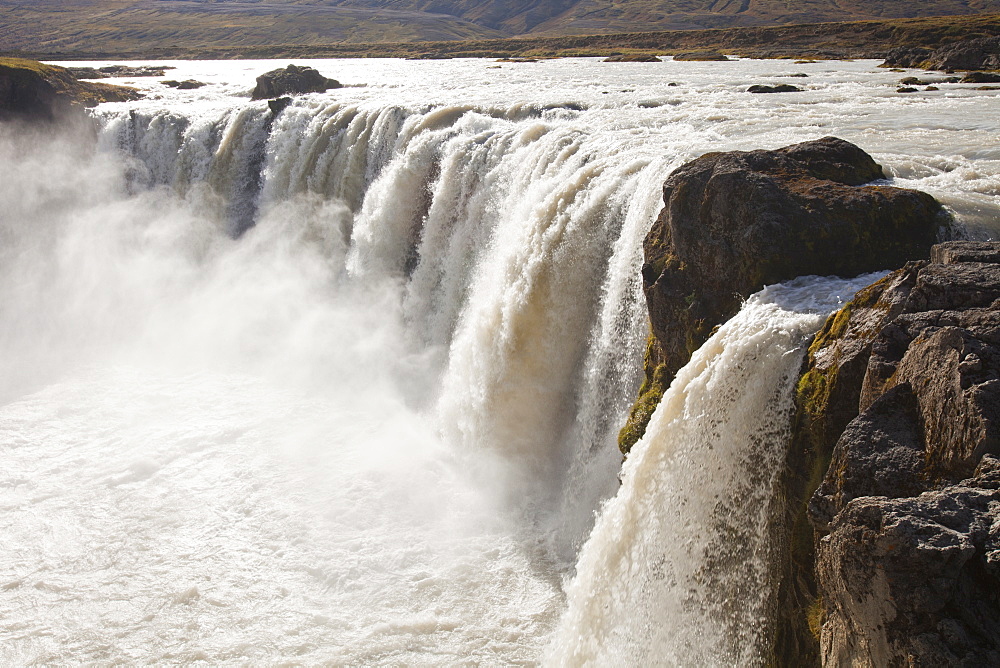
x,y
701,56
291,80
780,88
633,58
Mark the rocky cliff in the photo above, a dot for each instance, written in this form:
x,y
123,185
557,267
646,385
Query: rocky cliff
x,y
891,487
734,222
908,511
32,91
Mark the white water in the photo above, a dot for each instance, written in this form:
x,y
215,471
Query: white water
x,y
376,426
689,536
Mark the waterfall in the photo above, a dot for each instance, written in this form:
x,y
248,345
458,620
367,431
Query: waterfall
x,y
367,362
509,237
677,570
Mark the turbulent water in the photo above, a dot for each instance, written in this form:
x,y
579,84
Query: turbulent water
x,y
342,386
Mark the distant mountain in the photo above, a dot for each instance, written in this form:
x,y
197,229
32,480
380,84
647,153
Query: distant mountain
x,y
107,26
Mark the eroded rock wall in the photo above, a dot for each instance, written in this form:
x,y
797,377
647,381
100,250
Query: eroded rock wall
x,y
907,512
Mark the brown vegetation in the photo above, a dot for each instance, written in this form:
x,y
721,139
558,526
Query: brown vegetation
x,y
862,39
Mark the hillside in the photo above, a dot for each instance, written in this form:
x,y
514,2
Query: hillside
x,y
862,39
139,26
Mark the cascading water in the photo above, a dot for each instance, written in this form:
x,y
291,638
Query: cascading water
x,y
678,568
342,385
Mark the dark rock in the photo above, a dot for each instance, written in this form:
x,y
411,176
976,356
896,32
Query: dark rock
x,y
966,251
701,56
633,58
970,54
188,84
291,80
133,71
913,362
880,453
988,88
278,105
980,78
87,73
932,88
32,91
915,581
780,88
906,89
905,56
913,81
734,222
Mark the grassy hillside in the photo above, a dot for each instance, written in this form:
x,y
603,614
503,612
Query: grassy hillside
x,y
828,40
178,26
563,17
114,25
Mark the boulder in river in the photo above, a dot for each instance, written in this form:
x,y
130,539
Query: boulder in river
x,y
291,80
780,88
135,70
736,221
187,84
701,56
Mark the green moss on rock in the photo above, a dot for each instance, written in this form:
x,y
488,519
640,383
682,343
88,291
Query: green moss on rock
x,y
653,386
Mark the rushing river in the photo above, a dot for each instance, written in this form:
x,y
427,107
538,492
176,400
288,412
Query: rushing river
x,y
343,385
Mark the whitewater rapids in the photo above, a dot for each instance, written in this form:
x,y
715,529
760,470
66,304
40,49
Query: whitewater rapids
x,y
342,386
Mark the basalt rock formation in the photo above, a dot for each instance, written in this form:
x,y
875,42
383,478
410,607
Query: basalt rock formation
x,y
291,80
31,91
734,222
905,381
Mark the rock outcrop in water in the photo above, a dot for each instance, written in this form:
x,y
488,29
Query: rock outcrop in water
x,y
734,222
291,80
32,91
906,381
970,54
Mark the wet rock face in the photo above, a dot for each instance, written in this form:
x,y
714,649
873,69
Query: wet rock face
x,y
906,547
734,222
915,581
291,80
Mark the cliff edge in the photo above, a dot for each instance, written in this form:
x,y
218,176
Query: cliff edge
x,y
737,221
32,91
907,516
